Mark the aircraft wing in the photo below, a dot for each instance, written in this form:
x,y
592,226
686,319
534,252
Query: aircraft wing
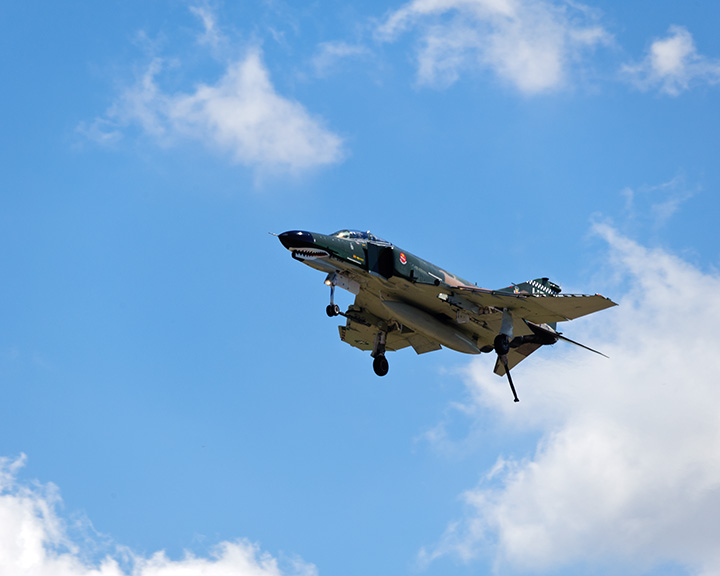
x,y
534,307
361,326
474,311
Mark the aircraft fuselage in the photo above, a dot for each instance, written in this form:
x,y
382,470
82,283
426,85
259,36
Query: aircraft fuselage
x,y
403,300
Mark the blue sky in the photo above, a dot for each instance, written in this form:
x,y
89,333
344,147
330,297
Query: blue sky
x,y
174,397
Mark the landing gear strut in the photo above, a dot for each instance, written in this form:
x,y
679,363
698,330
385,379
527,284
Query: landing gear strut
x,y
502,347
380,363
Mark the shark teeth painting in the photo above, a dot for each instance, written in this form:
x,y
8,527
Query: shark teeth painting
x,y
308,253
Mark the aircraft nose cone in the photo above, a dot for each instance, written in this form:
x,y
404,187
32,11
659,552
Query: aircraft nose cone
x,y
296,239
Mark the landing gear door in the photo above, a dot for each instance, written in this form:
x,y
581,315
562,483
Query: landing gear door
x,y
380,260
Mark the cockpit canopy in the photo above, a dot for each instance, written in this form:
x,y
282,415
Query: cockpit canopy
x,y
357,235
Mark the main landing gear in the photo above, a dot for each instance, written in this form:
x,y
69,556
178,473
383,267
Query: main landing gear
x,y
380,363
502,347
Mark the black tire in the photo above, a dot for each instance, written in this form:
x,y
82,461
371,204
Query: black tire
x,y
380,365
332,310
501,344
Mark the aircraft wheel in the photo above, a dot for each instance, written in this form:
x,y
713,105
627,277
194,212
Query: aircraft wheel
x,y
380,365
502,344
332,310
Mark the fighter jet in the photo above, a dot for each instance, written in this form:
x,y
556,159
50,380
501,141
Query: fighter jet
x,y
402,300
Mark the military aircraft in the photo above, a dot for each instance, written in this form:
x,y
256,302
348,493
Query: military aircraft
x,y
402,300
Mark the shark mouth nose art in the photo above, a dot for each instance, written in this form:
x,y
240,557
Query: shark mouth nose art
x,y
302,245
308,253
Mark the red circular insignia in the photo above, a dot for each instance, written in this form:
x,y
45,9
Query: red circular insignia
x,y
402,258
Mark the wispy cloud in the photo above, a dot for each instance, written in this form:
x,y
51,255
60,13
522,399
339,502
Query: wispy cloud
x,y
212,35
241,115
627,470
330,54
672,64
36,541
656,204
532,44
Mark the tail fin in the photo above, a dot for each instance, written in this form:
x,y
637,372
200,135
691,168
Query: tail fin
x,y
541,286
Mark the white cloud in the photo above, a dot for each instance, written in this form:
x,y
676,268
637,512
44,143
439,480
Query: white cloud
x,y
672,64
241,114
531,44
627,470
34,541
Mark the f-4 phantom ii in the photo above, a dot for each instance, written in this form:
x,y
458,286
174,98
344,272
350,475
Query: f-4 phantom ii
x,y
402,300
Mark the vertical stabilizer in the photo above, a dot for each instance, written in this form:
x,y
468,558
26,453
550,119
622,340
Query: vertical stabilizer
x,y
540,286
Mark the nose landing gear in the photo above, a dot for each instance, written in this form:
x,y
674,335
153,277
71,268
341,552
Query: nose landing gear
x,y
332,308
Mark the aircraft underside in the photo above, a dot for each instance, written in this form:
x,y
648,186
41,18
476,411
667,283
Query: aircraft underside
x,y
402,301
